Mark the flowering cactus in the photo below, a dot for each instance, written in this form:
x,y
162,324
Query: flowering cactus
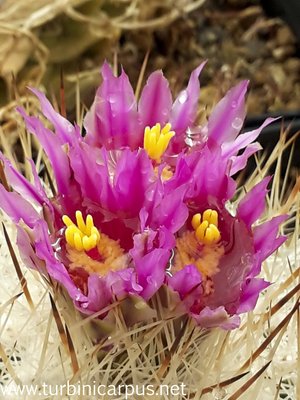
x,y
143,201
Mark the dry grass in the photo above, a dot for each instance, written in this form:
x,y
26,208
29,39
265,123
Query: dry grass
x,y
39,36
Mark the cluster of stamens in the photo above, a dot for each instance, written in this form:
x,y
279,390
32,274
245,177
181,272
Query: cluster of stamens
x,y
156,140
206,227
83,236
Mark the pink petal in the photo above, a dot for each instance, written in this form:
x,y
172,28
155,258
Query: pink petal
x,y
99,295
240,162
26,251
17,208
113,119
185,280
211,178
252,205
250,293
167,210
124,185
123,282
52,146
83,160
218,317
185,107
133,175
181,176
156,101
235,265
265,237
232,148
38,186
149,239
226,119
63,128
151,270
21,185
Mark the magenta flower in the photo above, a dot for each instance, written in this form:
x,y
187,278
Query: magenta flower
x,y
218,256
116,119
142,201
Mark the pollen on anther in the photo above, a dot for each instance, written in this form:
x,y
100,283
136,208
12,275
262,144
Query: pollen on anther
x,y
206,227
156,140
83,236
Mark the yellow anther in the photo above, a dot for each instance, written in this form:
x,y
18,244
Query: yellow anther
x,y
207,231
80,221
95,232
211,216
84,236
67,221
196,221
69,234
78,241
216,235
89,224
208,236
88,243
200,231
93,239
156,140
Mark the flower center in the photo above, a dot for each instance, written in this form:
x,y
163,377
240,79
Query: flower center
x,y
83,236
110,257
201,247
205,258
206,227
156,140
88,250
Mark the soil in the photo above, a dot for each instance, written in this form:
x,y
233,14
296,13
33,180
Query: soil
x,y
238,40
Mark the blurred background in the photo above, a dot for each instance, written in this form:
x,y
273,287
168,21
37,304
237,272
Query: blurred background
x,y
242,39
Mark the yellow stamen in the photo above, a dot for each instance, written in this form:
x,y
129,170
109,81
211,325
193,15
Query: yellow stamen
x,y
215,232
206,227
70,233
89,224
112,258
156,140
78,242
67,221
80,221
95,232
85,236
196,221
211,216
201,231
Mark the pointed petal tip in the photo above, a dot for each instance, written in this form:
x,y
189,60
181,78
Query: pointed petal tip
x,y
253,204
33,89
238,92
227,117
242,87
21,111
200,67
38,93
269,120
158,72
156,100
263,184
106,70
245,83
